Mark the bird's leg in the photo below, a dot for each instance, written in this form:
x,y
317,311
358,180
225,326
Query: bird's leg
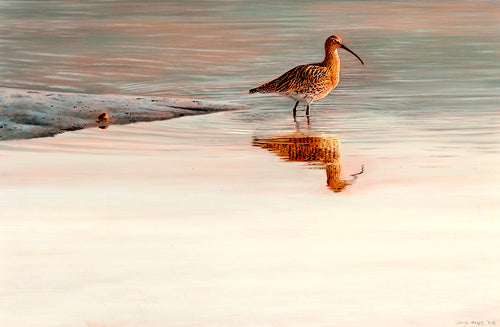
x,y
295,111
307,111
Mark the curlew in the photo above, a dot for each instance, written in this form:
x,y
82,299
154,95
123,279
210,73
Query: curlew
x,y
308,83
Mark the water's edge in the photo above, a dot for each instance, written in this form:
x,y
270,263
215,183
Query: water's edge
x,y
28,114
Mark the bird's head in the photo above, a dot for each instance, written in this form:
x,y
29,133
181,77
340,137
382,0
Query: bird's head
x,y
334,42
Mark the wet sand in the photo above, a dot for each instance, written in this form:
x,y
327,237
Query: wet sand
x,y
121,227
33,113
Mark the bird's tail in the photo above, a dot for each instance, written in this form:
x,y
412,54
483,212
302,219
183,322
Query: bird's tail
x,y
268,87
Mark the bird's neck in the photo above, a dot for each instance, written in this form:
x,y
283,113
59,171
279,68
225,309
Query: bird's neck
x,y
332,59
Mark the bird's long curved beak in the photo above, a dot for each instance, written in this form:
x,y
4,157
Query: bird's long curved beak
x,y
346,48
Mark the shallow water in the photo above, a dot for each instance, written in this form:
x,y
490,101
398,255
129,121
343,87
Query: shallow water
x,y
432,67
185,223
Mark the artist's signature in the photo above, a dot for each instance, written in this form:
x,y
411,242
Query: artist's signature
x,y
476,322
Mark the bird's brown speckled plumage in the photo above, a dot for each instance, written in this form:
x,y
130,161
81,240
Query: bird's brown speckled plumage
x,y
308,83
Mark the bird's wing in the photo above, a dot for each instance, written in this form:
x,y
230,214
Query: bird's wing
x,y
299,78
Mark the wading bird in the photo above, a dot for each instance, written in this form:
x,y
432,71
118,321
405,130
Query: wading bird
x,y
308,83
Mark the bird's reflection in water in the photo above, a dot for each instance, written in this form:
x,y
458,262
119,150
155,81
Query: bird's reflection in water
x,y
317,148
